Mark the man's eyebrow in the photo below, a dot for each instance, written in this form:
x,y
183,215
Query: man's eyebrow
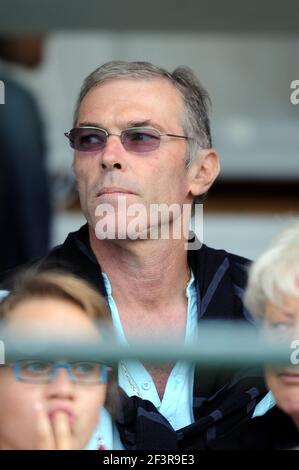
x,y
145,123
128,124
88,124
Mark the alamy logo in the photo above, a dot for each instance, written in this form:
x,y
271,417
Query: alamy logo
x,y
158,221
295,354
2,92
2,353
294,97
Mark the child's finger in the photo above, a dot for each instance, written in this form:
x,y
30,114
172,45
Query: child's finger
x,y
44,436
62,431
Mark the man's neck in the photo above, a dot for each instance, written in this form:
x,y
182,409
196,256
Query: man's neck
x,y
146,272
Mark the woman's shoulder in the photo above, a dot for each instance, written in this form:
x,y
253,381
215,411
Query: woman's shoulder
x,y
273,430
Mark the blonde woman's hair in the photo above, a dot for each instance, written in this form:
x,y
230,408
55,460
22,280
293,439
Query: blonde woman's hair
x,y
275,273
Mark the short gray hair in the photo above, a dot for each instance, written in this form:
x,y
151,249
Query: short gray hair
x,y
275,273
196,100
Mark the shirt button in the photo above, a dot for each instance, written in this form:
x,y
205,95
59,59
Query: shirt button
x,y
146,386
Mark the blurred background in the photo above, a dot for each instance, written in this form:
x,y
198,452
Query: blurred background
x,y
246,55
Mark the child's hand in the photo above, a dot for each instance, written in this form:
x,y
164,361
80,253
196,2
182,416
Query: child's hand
x,y
52,434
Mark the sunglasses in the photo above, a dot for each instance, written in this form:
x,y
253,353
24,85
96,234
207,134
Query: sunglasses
x,y
133,139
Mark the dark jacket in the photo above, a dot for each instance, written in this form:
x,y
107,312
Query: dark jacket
x,y
273,431
25,211
221,399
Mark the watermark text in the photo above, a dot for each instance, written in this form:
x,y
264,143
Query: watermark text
x,y
2,353
294,97
295,354
2,92
155,222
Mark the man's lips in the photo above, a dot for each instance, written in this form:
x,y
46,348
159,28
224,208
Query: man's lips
x,y
114,190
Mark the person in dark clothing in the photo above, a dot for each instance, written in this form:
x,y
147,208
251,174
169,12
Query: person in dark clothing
x,y
273,431
25,212
273,296
142,139
221,400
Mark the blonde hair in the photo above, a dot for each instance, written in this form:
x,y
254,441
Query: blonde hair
x,y
275,273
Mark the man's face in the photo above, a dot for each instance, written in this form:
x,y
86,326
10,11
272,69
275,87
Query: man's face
x,y
154,177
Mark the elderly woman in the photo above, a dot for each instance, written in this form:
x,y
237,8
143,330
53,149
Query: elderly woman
x,y
273,296
52,404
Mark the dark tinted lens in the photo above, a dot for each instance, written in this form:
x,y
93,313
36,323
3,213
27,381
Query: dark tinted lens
x,y
140,140
87,140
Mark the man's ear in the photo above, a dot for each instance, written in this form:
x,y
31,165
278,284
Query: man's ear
x,y
203,171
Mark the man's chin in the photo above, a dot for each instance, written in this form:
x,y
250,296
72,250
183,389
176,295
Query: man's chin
x,y
122,234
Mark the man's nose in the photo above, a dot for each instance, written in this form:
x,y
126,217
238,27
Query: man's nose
x,y
113,155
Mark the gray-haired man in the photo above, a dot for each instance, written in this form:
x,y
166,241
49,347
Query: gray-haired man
x,y
142,138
